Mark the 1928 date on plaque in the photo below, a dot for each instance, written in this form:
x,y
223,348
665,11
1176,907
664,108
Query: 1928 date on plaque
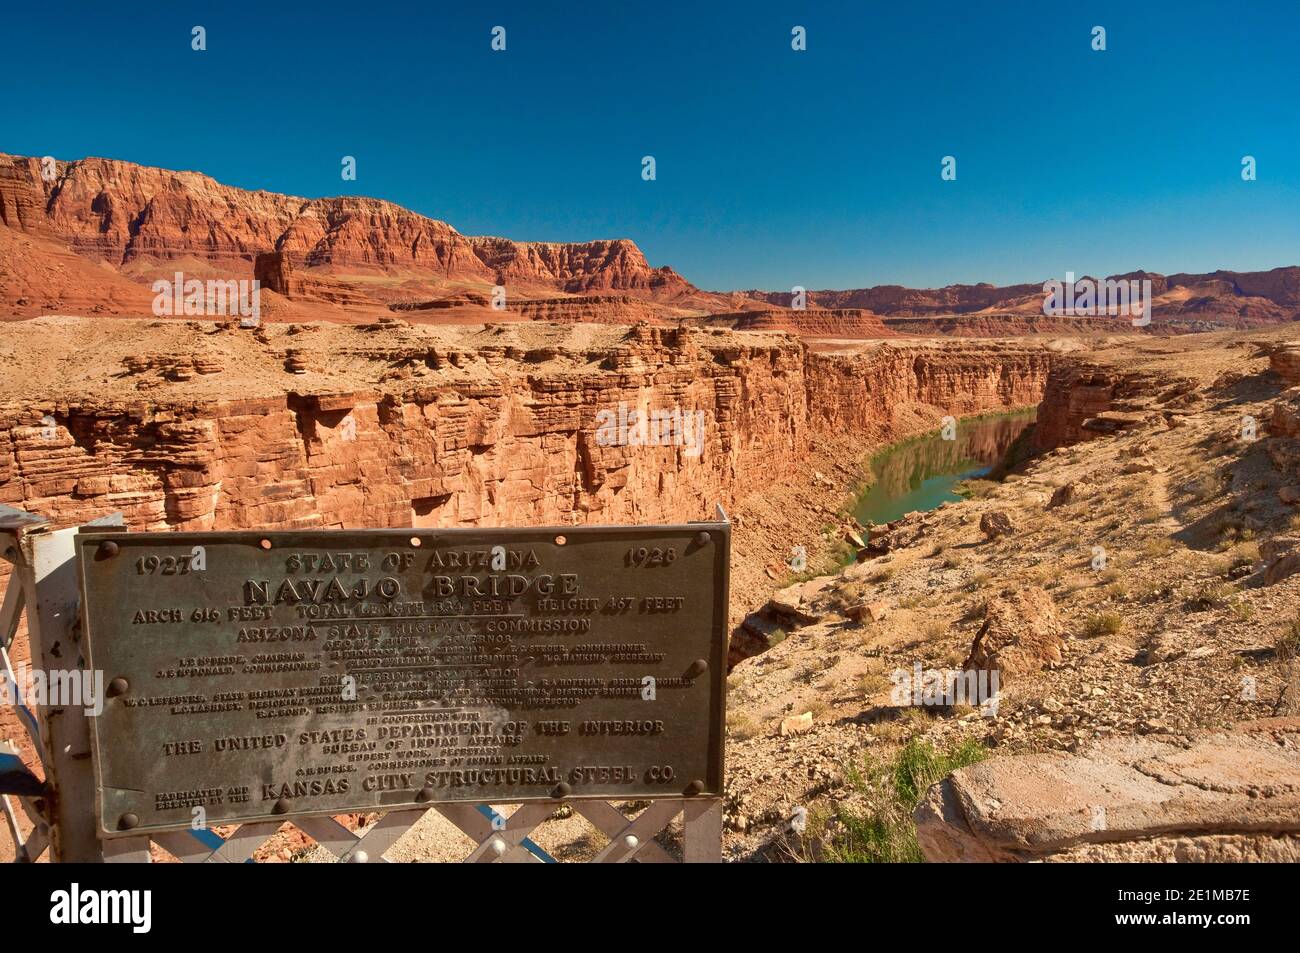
x,y
255,675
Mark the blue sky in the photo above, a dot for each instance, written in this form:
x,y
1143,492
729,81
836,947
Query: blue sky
x,y
775,168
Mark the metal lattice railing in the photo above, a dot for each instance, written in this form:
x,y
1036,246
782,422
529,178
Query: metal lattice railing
x,y
498,838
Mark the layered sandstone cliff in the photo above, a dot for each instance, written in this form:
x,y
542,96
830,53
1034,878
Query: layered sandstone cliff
x,y
819,322
200,426
1101,392
142,220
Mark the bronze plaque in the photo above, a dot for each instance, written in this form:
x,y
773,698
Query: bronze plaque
x,y
261,675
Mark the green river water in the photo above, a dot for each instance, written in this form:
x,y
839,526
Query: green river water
x,y
920,474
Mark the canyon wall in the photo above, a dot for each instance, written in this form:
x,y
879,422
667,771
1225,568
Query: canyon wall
x,y
461,430
1085,399
819,322
1094,394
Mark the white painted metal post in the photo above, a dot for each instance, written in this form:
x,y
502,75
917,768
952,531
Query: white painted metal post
x,y
48,570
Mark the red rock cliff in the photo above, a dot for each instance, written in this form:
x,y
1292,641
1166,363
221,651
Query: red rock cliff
x,y
139,218
495,426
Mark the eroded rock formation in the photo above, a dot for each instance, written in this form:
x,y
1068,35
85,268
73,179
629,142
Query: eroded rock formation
x,y
1218,797
140,219
1086,399
496,426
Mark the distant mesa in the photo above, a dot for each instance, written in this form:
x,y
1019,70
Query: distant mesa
x,y
93,239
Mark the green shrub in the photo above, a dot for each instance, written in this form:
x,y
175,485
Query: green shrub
x,y
1102,623
886,834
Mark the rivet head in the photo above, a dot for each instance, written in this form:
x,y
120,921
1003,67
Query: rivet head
x,y
127,822
631,841
694,788
107,549
498,846
281,806
702,538
118,686
697,668
358,857
563,789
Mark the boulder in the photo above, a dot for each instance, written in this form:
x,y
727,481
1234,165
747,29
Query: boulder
x,y
1062,496
1285,362
1021,633
1281,568
761,632
796,724
875,611
1226,796
880,546
1113,422
1160,648
794,603
996,523
1141,465
1285,418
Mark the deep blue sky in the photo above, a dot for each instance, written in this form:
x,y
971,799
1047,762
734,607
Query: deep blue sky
x,y
775,168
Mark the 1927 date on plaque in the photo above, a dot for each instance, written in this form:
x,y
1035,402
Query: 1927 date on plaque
x,y
256,675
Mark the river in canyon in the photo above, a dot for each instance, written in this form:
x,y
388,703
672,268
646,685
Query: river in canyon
x,y
920,474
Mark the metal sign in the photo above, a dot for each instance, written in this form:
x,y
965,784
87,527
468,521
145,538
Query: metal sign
x,y
251,676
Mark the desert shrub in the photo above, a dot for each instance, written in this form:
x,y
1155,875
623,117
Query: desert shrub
x,y
1102,623
1211,594
843,553
885,833
741,725
1159,546
976,489
1244,555
1242,610
1206,487
1287,650
935,630
852,592
873,683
